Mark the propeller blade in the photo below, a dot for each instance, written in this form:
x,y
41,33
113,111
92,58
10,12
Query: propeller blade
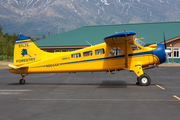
x,y
167,51
164,40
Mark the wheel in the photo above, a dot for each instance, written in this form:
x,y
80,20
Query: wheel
x,y
144,80
21,81
137,83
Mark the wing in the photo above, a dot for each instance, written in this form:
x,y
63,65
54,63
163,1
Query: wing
x,y
120,38
126,38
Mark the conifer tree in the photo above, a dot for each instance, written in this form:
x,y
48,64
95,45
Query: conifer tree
x,y
1,33
1,45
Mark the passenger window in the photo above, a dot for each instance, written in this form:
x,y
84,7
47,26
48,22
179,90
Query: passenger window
x,y
89,53
77,55
115,51
99,51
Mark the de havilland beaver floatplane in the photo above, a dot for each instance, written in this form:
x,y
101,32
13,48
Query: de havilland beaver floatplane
x,y
120,51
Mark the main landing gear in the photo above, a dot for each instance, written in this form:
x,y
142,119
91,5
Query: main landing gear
x,y
22,81
144,80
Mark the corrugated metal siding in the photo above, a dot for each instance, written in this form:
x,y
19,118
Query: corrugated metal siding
x,y
173,60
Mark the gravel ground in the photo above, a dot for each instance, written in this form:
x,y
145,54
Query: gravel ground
x,y
4,64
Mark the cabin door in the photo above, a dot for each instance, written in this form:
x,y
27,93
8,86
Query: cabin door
x,y
116,59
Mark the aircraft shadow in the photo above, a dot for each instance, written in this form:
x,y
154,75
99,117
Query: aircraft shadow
x,y
103,84
113,84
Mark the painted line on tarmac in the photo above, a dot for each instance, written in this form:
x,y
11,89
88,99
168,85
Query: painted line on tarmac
x,y
140,100
176,97
9,93
160,87
12,92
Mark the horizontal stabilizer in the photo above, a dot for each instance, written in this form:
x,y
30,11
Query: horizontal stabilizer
x,y
17,67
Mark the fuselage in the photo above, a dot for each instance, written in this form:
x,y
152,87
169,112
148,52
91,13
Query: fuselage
x,y
96,58
121,51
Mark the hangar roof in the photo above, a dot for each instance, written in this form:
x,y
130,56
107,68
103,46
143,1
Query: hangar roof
x,y
151,32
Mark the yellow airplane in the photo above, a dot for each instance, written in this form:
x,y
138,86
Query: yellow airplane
x,y
121,51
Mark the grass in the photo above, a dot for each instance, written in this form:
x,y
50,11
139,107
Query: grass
x,y
4,64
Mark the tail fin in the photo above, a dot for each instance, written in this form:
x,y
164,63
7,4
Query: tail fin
x,y
25,51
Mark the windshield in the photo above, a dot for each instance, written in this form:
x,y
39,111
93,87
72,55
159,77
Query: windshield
x,y
140,43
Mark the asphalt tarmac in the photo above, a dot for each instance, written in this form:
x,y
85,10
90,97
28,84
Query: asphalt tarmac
x,y
91,96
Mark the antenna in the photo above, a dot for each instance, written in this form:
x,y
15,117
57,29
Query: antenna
x,y
89,43
140,38
49,33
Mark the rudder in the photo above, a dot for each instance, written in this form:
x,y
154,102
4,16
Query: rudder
x,y
25,51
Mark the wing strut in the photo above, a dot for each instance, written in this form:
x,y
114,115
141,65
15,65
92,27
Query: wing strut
x,y
126,52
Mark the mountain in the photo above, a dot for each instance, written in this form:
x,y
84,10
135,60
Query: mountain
x,y
38,17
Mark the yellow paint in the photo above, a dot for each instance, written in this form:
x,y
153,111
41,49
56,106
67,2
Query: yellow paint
x,y
35,60
176,97
160,86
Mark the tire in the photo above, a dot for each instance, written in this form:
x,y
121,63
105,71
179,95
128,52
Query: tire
x,y
138,80
144,80
21,81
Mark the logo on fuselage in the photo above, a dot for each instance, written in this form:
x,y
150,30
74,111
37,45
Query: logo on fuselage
x,y
24,52
24,45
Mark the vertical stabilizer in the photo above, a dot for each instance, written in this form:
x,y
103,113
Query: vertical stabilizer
x,y
25,51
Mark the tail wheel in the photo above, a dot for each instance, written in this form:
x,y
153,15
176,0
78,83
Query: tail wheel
x,y
144,80
21,81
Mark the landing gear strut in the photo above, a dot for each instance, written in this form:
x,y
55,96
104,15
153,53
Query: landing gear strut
x,y
22,81
144,80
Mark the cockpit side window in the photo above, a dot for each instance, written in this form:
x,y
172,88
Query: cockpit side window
x,y
115,51
140,43
135,47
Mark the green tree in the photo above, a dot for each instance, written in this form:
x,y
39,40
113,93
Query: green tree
x,y
10,48
7,36
43,37
1,45
7,42
37,38
1,33
14,37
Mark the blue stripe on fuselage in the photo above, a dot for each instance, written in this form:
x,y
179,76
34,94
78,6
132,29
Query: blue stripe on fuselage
x,y
135,54
120,56
93,59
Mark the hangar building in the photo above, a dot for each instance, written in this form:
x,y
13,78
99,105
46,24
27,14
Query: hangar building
x,y
92,35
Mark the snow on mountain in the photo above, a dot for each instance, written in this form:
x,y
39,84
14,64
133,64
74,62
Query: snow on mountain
x,y
37,17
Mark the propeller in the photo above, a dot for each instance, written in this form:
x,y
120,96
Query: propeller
x,y
164,40
167,51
